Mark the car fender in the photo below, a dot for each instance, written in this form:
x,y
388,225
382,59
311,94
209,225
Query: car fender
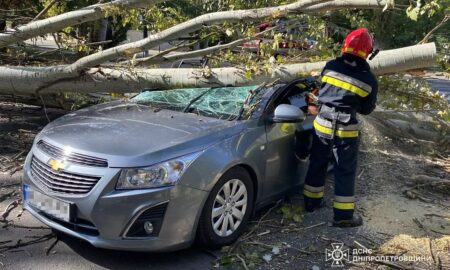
x,y
246,148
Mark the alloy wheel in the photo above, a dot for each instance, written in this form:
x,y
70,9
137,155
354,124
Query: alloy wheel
x,y
229,207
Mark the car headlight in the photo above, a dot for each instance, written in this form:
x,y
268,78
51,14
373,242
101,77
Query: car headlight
x,y
163,174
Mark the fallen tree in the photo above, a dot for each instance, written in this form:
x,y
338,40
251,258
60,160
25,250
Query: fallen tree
x,y
96,73
27,80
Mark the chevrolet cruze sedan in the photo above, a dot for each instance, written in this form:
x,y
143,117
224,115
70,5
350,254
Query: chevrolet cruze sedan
x,y
158,171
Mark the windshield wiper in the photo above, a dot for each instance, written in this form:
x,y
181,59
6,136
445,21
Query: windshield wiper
x,y
192,101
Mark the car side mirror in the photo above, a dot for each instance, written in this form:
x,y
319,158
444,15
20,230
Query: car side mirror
x,y
285,113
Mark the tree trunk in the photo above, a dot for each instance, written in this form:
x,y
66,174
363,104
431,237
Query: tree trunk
x,y
53,79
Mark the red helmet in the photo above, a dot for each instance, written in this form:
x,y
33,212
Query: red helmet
x,y
359,42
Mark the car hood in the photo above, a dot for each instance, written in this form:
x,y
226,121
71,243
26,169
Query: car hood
x,y
131,135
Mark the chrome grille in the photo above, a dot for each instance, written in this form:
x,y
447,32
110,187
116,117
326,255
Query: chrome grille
x,y
58,153
61,181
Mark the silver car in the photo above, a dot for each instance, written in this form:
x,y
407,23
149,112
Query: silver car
x,y
165,168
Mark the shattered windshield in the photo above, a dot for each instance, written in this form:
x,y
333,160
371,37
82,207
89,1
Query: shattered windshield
x,y
222,102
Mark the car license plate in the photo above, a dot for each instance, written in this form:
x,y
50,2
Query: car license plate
x,y
51,206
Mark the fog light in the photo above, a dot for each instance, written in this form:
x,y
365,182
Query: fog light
x,y
148,227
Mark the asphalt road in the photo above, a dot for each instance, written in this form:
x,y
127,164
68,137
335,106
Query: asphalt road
x,y
440,84
72,253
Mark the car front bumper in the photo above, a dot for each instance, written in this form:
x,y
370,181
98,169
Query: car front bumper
x,y
104,216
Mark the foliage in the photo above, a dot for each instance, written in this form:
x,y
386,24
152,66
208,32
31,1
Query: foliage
x,y
404,25
291,212
405,93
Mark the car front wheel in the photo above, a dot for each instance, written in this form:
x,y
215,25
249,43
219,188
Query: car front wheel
x,y
227,209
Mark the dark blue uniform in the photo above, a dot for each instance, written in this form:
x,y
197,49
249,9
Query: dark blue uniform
x,y
348,87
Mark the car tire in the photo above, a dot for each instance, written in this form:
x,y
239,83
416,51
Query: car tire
x,y
215,232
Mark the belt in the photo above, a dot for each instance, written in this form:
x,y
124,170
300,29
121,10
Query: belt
x,y
330,124
341,109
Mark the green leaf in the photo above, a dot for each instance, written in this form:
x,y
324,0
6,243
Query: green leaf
x,y
297,218
248,75
412,13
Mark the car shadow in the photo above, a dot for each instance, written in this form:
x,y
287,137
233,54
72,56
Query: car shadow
x,y
192,258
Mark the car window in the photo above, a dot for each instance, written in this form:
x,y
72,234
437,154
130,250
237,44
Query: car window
x,y
222,102
294,94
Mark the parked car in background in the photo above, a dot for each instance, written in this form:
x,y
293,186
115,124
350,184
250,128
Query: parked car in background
x,y
291,38
166,168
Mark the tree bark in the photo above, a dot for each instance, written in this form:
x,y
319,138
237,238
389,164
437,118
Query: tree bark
x,y
51,79
56,23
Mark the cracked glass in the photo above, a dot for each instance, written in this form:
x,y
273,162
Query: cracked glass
x,y
222,102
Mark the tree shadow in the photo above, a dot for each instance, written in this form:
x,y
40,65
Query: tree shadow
x,y
192,258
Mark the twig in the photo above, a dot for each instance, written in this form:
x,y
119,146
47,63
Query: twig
x,y
431,251
439,232
9,208
42,13
439,25
52,246
242,261
259,222
437,215
360,245
263,233
36,241
419,224
29,227
303,228
440,182
44,107
98,43
162,53
18,155
360,174
315,225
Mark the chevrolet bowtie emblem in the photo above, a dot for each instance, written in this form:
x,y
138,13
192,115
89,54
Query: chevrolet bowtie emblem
x,y
56,164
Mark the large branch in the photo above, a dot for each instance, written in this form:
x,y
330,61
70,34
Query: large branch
x,y
28,79
197,23
187,27
173,56
346,4
56,23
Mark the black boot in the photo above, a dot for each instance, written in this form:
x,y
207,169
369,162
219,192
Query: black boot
x,y
354,222
313,204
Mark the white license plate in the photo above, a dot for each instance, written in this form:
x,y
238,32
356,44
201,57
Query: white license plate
x,y
47,204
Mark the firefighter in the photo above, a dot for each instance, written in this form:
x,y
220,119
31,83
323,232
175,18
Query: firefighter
x,y
347,87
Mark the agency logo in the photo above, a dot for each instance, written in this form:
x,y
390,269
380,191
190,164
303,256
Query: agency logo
x,y
337,255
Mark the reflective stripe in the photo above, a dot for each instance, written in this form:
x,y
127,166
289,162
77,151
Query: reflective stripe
x,y
344,198
327,123
339,133
344,205
314,189
314,195
361,53
345,85
340,76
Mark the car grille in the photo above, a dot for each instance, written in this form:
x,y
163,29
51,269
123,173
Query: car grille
x,y
58,153
60,181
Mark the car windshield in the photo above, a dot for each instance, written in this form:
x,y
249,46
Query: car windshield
x,y
222,102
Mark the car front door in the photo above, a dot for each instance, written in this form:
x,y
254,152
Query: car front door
x,y
284,170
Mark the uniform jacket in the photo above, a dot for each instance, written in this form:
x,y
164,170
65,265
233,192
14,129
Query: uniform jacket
x,y
347,81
